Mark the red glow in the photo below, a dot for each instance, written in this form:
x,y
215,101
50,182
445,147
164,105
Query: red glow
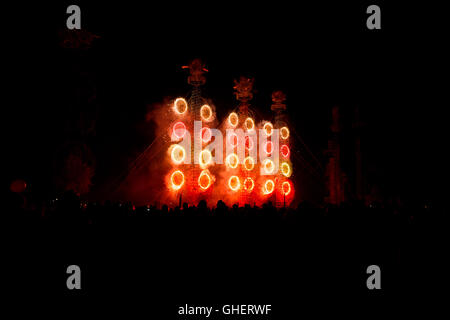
x,y
268,147
206,134
286,188
285,151
179,130
233,139
248,143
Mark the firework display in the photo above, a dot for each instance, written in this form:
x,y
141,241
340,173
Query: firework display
x,y
240,160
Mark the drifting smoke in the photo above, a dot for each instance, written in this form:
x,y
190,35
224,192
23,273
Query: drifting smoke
x,y
185,162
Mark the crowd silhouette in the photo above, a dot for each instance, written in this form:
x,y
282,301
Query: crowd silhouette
x,y
406,241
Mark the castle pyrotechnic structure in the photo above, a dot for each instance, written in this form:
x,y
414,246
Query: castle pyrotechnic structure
x,y
240,160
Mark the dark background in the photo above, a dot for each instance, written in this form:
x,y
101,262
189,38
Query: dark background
x,y
320,54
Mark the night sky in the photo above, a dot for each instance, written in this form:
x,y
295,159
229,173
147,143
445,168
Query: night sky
x,y
320,55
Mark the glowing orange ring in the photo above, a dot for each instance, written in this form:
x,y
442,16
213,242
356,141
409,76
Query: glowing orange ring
x,y
285,151
268,129
178,159
201,161
284,133
229,160
267,163
177,186
176,106
202,174
286,169
284,189
249,120
251,162
269,186
236,185
233,119
246,187
202,110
